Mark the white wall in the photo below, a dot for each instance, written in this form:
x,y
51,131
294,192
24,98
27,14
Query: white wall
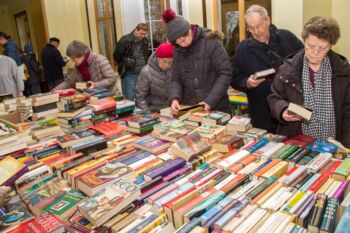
x,y
340,11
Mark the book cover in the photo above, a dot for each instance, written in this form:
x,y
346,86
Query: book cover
x,y
14,215
141,122
109,128
299,111
165,168
11,170
150,144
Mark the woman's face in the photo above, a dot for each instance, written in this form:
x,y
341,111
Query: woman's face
x,y
185,40
165,63
316,49
77,60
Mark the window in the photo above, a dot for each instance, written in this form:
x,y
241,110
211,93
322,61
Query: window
x,y
153,15
104,10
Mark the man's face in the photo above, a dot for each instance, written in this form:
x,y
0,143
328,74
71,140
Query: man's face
x,y
185,40
55,43
140,34
258,27
316,49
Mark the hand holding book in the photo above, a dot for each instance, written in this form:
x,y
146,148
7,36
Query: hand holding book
x,y
289,117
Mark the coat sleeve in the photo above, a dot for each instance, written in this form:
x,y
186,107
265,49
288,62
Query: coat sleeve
x,y
176,84
59,59
68,82
16,77
219,58
109,78
143,89
346,119
120,50
277,99
239,77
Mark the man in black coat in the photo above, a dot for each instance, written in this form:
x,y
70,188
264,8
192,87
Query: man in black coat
x,y
266,48
52,63
131,55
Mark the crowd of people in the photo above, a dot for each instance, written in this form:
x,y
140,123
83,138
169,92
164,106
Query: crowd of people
x,y
193,67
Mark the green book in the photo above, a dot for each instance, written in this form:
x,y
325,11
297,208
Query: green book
x,y
256,191
342,171
65,205
328,218
285,152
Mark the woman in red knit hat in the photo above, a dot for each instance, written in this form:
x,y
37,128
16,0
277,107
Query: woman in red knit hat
x,y
152,87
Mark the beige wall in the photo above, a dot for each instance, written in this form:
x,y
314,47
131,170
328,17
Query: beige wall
x,y
309,9
5,26
288,15
66,20
194,16
340,11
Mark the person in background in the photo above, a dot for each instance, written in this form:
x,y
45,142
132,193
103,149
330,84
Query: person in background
x,y
131,54
11,50
10,80
201,70
53,63
316,78
32,84
265,49
152,87
91,68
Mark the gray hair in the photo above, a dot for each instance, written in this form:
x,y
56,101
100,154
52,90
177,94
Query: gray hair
x,y
77,49
257,9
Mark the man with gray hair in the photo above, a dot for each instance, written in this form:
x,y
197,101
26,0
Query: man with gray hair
x,y
266,48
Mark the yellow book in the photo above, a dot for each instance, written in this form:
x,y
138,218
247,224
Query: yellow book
x,y
277,171
325,186
158,221
269,194
293,200
9,167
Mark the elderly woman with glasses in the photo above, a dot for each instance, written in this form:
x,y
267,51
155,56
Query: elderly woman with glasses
x,y
318,79
91,68
264,49
152,87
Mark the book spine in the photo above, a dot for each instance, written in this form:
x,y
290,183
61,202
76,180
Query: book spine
x,y
307,184
269,181
318,183
258,145
13,179
341,189
235,209
166,168
187,228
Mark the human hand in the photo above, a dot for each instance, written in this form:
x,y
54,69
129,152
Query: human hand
x,y
289,117
90,85
175,106
207,108
253,82
4,192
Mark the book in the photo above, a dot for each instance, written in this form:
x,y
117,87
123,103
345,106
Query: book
x,y
109,129
216,118
317,213
13,214
75,138
343,170
99,208
238,123
44,223
299,111
210,132
164,169
150,144
102,104
71,113
91,182
189,146
227,142
344,223
44,96
11,170
190,109
264,73
142,122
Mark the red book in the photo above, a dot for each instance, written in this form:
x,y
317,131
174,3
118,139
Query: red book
x,y
102,104
318,183
329,170
66,92
249,145
301,140
44,223
109,129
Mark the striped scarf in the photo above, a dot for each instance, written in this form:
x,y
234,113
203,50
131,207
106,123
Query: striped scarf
x,y
319,99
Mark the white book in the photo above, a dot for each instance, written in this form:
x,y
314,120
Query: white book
x,y
234,158
295,175
300,111
248,224
282,199
225,181
299,203
273,198
248,187
251,167
272,150
333,188
135,222
268,195
239,218
285,221
319,162
289,228
140,162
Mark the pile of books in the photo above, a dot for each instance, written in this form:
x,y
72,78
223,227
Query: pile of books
x,y
104,110
142,125
125,108
98,93
44,105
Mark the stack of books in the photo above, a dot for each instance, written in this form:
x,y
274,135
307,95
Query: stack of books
x,y
76,123
24,106
124,108
46,131
44,105
104,110
98,93
142,125
239,124
10,140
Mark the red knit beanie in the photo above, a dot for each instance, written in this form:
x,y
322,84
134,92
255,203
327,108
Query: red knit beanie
x,y
165,50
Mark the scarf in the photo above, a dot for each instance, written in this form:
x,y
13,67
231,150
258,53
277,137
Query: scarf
x,y
319,99
83,68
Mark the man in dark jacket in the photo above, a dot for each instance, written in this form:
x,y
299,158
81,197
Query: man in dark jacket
x,y
266,49
52,63
201,69
131,55
10,48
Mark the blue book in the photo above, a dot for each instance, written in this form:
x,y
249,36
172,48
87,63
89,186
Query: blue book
x,y
260,167
144,223
138,155
344,222
215,210
235,209
190,226
96,90
309,182
258,145
183,188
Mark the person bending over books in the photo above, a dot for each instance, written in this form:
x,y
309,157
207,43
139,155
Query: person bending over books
x,y
318,79
91,68
201,69
152,87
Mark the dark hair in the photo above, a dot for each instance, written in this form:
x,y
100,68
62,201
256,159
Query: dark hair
x,y
77,49
141,26
3,34
323,28
55,39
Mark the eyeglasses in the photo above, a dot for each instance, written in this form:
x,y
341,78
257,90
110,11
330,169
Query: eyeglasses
x,y
259,27
317,49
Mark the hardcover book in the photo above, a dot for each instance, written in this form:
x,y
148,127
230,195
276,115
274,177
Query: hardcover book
x,y
141,122
227,142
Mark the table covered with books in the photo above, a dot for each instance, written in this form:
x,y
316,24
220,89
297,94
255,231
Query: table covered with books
x,y
84,162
